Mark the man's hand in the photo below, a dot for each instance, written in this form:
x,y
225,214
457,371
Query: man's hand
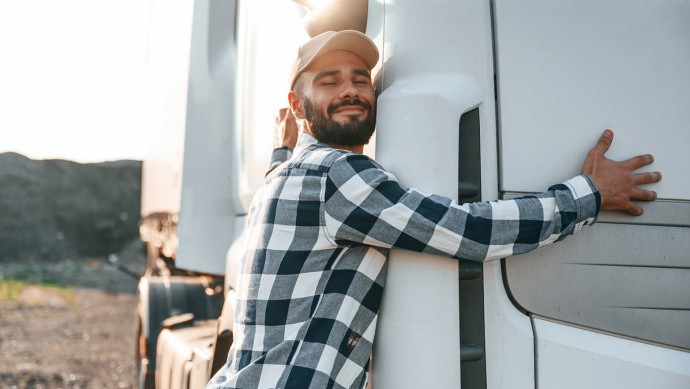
x,y
617,183
285,129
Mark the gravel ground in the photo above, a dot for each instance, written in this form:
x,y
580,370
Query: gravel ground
x,y
78,335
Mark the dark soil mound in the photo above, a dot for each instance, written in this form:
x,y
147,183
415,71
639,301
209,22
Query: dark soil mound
x,y
57,209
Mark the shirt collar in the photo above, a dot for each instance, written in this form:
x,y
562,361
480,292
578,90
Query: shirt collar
x,y
305,140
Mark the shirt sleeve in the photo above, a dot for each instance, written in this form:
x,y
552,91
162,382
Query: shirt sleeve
x,y
364,204
278,156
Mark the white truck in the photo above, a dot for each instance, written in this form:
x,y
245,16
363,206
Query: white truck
x,y
477,100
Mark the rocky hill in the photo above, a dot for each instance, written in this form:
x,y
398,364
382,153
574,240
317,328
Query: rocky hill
x,y
57,209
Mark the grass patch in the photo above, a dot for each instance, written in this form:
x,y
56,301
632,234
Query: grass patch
x,y
44,293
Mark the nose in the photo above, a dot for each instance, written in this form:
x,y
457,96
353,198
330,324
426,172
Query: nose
x,y
349,90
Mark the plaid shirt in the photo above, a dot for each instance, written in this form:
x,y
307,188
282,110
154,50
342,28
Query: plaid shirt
x,y
315,250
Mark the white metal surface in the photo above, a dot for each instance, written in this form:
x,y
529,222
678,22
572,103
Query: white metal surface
x,y
437,64
207,211
573,358
566,71
632,280
508,335
168,72
569,69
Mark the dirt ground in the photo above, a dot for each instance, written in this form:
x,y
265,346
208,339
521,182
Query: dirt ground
x,y
67,325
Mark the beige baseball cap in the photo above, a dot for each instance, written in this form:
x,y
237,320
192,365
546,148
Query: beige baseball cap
x,y
321,44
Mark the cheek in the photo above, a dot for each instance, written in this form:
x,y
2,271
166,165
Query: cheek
x,y
368,95
322,100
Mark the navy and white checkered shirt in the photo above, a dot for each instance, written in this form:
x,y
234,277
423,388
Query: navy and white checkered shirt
x,y
317,238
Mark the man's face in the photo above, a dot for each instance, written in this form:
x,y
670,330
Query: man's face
x,y
337,99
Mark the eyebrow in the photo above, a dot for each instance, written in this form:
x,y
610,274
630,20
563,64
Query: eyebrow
x,y
362,72
325,74
329,73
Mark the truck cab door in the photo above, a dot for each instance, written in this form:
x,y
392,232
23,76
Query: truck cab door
x,y
609,307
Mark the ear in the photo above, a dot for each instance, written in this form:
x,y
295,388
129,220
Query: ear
x,y
295,106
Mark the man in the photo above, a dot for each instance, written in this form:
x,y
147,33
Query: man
x,y
320,228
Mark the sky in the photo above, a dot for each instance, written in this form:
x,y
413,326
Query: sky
x,y
73,79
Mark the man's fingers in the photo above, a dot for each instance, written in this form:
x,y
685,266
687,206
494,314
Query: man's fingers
x,y
638,162
604,141
643,194
646,178
632,209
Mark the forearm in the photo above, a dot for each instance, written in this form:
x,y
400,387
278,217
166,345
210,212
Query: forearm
x,y
369,207
498,229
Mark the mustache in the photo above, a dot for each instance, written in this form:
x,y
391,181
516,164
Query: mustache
x,y
363,104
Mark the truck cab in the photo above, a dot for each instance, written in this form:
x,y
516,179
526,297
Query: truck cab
x,y
478,100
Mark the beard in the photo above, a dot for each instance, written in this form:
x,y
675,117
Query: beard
x,y
354,132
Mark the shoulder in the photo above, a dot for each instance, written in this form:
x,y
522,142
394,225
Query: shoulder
x,y
317,156
354,172
339,165
350,164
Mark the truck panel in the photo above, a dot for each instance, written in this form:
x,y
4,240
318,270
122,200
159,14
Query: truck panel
x,y
568,70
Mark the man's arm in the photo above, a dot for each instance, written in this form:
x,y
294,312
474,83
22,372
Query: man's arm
x,y
366,205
